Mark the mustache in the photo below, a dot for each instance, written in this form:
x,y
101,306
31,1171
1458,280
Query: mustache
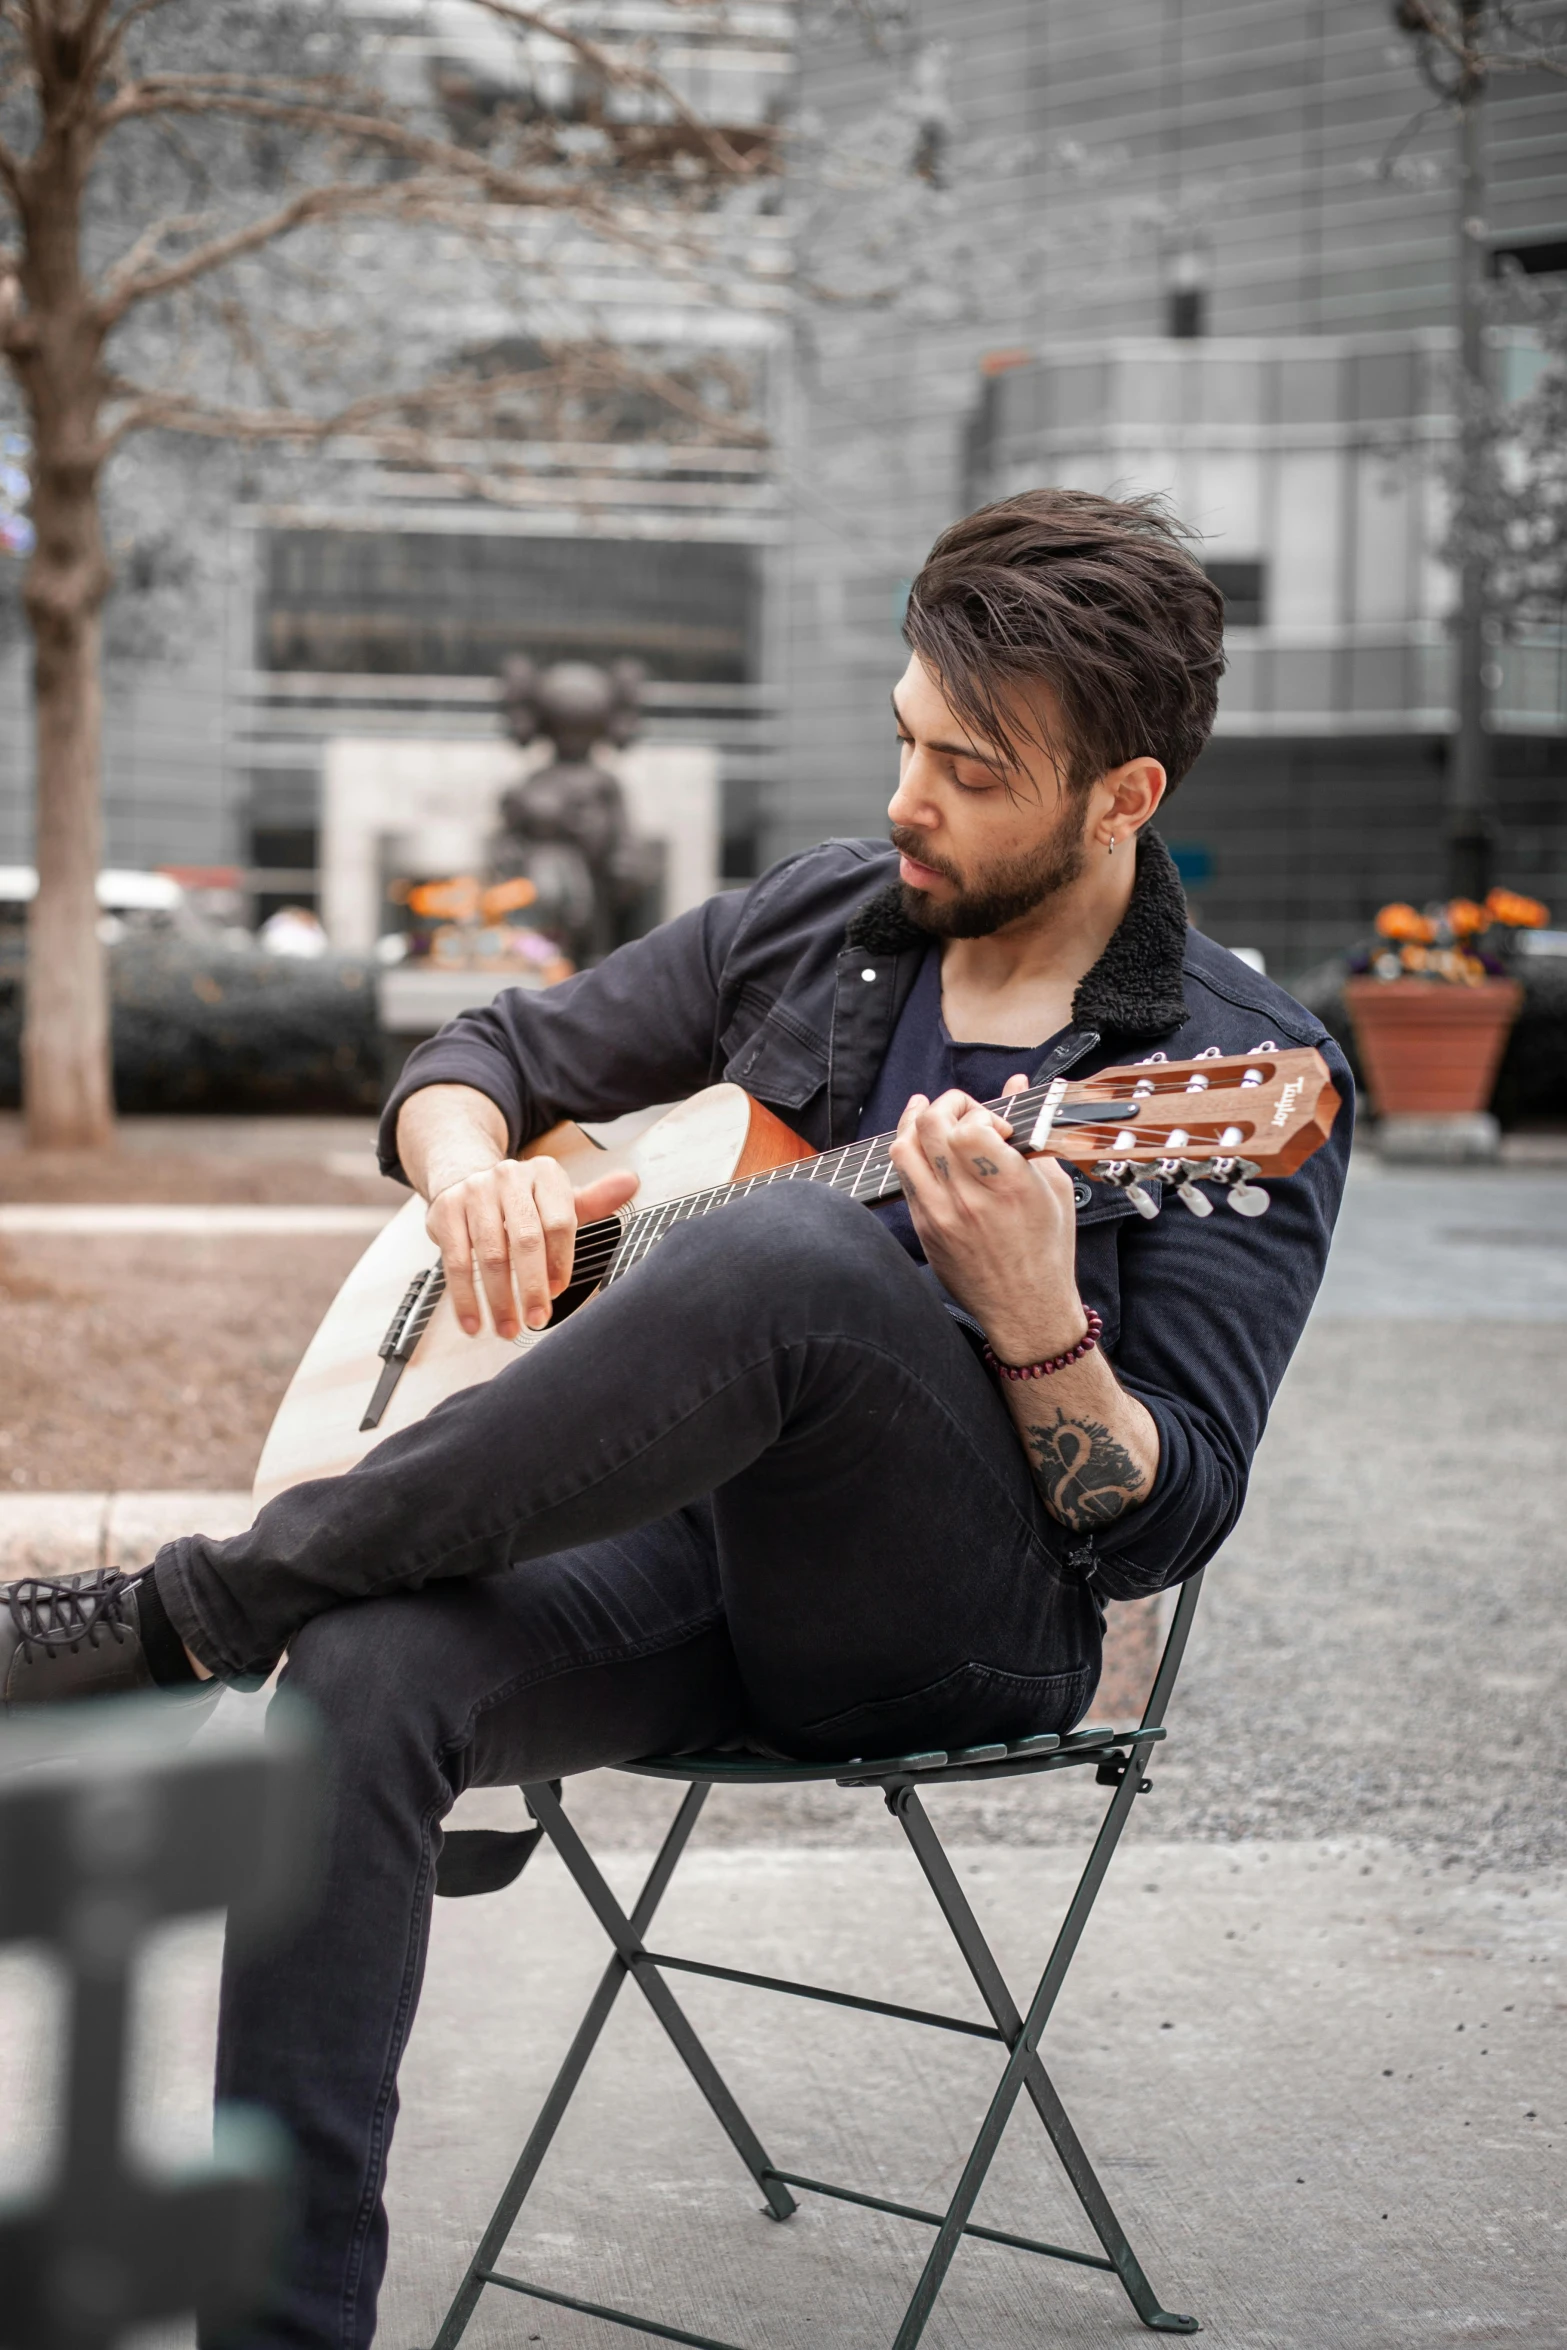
x,y
904,838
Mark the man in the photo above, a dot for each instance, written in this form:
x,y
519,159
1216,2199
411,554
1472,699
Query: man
x,y
831,1480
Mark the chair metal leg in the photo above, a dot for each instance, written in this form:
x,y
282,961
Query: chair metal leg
x,y
552,2112
627,1938
1025,2069
1020,2034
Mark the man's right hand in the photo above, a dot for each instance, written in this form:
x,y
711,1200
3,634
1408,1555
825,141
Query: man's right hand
x,y
514,1224
514,1221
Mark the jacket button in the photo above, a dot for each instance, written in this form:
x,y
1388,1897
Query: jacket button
x,y
867,974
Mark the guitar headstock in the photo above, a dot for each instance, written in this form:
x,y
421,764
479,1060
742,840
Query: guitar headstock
x,y
1223,1118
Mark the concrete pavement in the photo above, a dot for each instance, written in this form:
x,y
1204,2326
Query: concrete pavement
x,y
1315,2037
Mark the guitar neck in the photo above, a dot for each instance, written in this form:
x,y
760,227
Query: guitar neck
x,y
1219,1120
862,1170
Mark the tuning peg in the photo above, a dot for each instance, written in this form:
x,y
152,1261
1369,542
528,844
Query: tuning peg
x,y
1179,1173
1244,1196
1124,1176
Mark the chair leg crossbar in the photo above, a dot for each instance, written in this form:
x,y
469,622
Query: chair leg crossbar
x,y
1018,2033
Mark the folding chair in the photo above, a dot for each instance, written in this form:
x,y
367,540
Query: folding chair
x,y
483,1859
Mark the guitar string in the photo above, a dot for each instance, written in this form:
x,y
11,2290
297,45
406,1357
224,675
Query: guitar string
x,y
607,1247
873,1177
629,1244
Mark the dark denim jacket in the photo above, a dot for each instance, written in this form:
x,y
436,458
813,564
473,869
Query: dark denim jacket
x,y
792,989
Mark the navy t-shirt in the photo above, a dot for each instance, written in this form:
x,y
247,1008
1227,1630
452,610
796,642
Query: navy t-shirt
x,y
922,1058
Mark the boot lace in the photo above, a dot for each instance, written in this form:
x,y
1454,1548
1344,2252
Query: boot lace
x,y
52,1616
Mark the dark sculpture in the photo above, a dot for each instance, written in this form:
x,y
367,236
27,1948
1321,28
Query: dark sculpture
x,y
564,827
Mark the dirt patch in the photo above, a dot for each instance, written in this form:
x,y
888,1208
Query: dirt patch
x,y
194,1177
152,1363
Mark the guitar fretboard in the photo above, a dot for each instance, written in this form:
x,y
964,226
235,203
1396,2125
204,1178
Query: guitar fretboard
x,y
863,1170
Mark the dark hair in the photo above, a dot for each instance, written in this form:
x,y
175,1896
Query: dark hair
x,y
1096,597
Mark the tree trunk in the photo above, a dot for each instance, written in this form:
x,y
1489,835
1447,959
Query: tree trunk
x,y
58,358
66,1084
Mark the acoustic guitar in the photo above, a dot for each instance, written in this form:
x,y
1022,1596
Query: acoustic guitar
x,y
390,1348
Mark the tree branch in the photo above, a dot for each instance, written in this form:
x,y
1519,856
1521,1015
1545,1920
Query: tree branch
x,y
124,288
113,41
193,94
153,409
124,270
628,75
1426,20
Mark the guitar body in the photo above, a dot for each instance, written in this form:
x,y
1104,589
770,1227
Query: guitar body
x,y
718,1136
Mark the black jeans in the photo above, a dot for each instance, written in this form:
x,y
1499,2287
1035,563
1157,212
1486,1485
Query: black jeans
x,y
762,1486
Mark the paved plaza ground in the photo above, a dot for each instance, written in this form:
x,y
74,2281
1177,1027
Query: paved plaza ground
x,y
1315,2039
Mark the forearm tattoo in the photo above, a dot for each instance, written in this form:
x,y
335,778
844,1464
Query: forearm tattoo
x,y
1088,1478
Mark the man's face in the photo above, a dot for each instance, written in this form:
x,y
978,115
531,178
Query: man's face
x,y
981,841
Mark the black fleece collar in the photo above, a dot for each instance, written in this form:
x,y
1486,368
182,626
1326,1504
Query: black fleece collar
x,y
1135,987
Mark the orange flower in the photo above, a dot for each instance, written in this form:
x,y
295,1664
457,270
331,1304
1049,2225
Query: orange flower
x,y
452,901
1465,918
1402,922
1518,913
507,897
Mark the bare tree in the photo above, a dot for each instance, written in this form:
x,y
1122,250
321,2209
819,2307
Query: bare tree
x,y
181,185
1517,531
1461,48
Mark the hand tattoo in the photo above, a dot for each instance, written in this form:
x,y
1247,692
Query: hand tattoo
x,y
941,1167
984,1166
1089,1479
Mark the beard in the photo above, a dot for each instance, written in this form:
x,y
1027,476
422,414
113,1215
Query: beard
x,y
1004,894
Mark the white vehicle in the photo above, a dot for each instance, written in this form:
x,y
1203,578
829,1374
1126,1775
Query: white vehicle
x,y
128,900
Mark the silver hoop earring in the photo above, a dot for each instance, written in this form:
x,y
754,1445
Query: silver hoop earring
x,y
1112,844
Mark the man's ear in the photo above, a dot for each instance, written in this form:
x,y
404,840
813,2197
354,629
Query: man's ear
x,y
1135,792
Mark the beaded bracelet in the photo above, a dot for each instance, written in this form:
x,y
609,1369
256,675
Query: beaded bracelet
x,y
1085,1345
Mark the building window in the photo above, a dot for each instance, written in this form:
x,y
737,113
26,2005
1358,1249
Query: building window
x,y
1244,589
1187,272
1537,257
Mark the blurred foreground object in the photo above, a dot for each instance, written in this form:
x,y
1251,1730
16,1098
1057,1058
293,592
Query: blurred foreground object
x,y
109,1828
1433,1002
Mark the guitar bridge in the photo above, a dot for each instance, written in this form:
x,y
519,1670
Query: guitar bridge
x,y
403,1333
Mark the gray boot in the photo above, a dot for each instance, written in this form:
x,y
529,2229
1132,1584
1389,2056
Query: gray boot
x,y
69,1636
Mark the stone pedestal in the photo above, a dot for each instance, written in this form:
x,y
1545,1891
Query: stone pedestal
x,y
1462,1139
413,1001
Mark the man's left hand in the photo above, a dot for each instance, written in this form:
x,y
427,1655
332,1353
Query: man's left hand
x,y
999,1230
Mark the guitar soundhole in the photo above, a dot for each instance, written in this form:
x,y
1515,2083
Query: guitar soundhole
x,y
567,1303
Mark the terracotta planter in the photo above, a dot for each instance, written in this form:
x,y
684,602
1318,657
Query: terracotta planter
x,y
1428,1049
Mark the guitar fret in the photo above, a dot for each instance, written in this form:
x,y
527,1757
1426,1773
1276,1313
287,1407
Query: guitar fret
x,y
867,1152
